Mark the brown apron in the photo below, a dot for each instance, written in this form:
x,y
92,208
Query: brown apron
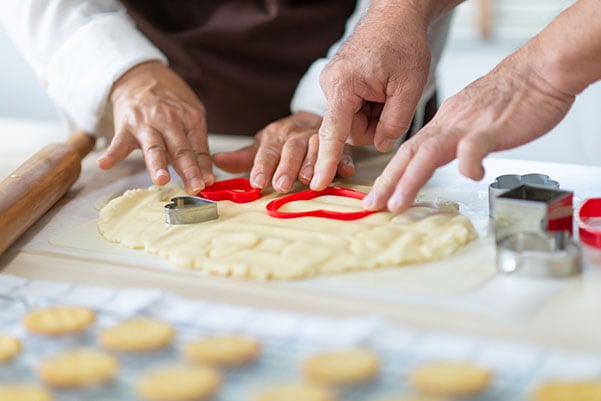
x,y
242,58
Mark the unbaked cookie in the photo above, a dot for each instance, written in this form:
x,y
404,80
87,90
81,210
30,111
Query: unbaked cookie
x,y
297,392
577,390
58,320
179,383
9,347
23,392
342,367
450,379
137,335
78,368
223,350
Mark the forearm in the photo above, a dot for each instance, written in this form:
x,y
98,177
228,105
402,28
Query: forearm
x,y
567,53
78,48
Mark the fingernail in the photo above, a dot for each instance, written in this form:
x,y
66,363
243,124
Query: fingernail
x,y
283,183
387,144
307,172
395,202
369,201
208,178
197,185
161,175
259,181
315,181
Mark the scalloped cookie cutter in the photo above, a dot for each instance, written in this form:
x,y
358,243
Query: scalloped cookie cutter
x,y
507,182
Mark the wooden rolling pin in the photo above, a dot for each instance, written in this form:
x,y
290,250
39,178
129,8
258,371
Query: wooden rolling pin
x,y
34,187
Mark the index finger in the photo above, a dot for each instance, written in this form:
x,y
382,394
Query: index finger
x,y
333,133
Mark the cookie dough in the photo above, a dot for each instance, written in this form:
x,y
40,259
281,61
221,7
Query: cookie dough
x,y
342,367
577,390
58,320
23,392
179,383
227,351
78,368
246,242
450,379
9,348
137,335
297,392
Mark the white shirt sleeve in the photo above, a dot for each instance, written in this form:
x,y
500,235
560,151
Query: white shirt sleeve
x,y
78,49
308,95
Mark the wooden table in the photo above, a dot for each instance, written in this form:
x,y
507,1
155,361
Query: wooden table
x,y
569,319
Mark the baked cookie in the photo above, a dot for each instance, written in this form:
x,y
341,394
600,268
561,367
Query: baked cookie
x,y
342,367
577,390
23,392
297,392
179,383
450,379
223,350
78,368
9,347
137,335
58,320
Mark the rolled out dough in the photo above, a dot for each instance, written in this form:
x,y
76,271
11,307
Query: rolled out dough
x,y
246,242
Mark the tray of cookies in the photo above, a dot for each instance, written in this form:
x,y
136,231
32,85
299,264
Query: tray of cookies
x,y
62,342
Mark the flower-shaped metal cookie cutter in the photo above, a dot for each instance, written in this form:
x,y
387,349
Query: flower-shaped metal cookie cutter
x,y
190,210
507,182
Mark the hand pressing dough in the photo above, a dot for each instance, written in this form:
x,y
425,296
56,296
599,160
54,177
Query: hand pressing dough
x,y
246,242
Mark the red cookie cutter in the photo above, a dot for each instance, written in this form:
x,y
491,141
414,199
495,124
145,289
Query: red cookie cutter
x,y
237,190
590,234
274,206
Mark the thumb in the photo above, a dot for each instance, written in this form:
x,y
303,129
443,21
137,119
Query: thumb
x,y
238,161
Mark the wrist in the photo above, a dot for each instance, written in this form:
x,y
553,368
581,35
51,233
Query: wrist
x,y
146,68
423,11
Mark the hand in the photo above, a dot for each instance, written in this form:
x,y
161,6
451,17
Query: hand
x,y
282,152
155,110
510,106
372,85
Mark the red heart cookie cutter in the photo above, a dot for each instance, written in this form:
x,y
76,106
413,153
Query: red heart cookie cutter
x,y
274,206
237,190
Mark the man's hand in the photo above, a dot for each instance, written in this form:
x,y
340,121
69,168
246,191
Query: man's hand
x,y
508,107
282,152
373,85
155,111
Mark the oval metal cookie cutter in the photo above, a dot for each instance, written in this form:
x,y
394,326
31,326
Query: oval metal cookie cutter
x,y
190,210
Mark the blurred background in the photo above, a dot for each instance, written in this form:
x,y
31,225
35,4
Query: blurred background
x,y
482,34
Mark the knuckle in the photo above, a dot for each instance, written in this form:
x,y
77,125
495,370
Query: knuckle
x,y
183,153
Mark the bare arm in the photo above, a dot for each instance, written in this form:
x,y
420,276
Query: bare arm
x,y
521,99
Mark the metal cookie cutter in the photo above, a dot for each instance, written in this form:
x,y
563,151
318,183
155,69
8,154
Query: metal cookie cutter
x,y
190,210
533,228
508,182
